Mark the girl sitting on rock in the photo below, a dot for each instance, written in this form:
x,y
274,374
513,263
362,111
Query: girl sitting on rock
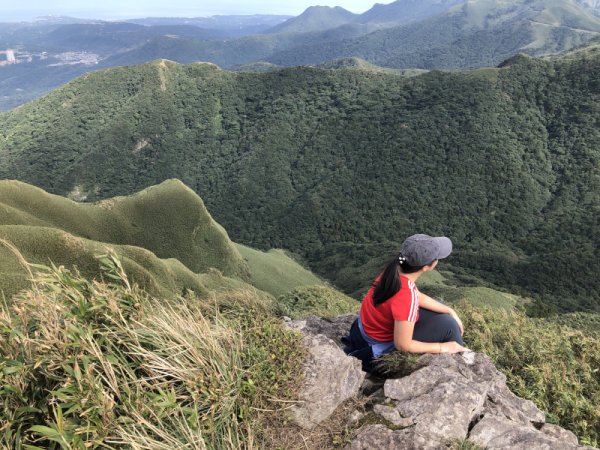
x,y
396,315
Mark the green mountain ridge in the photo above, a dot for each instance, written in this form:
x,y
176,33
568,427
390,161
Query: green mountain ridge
x,y
315,18
405,34
340,165
164,220
166,238
470,34
405,11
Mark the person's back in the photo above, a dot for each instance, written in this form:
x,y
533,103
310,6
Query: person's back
x,y
395,315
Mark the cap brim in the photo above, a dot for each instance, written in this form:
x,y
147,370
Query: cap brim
x,y
444,247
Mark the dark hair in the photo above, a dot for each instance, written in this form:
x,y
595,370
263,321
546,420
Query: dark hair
x,y
389,283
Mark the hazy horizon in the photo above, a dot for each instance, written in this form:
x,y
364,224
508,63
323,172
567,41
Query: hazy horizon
x,y
120,10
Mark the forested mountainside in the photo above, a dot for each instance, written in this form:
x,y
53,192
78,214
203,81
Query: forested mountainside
x,y
466,35
405,34
341,165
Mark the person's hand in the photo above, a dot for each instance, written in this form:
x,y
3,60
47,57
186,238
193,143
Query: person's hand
x,y
453,347
460,325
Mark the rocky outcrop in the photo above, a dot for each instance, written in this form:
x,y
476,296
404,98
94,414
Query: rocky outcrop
x,y
330,378
451,398
334,328
448,398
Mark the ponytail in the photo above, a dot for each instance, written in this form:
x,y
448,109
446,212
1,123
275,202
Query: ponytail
x,y
389,284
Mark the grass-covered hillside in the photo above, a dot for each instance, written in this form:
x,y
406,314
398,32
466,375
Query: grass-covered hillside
x,y
165,237
95,364
341,165
122,348
90,364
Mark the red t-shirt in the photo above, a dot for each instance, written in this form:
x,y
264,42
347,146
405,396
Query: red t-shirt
x,y
378,321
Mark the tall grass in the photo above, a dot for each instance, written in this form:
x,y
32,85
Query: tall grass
x,y
555,366
100,364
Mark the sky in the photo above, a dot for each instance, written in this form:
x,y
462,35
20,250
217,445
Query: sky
x,y
11,10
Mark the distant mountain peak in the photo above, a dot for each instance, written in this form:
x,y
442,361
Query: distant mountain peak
x,y
406,11
316,18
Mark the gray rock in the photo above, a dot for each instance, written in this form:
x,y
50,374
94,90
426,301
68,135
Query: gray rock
x,y
334,328
392,415
502,402
448,393
296,325
444,413
494,432
355,417
418,383
330,378
378,437
559,433
445,395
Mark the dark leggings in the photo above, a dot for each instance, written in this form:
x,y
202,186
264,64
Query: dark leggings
x,y
436,327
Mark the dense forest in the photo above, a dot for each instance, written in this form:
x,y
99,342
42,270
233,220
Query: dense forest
x,y
340,165
404,34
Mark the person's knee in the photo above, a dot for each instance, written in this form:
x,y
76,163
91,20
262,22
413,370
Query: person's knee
x,y
452,329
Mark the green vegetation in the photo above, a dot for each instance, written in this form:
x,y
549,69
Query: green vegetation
x,y
275,271
39,245
103,365
319,301
170,220
425,34
472,34
165,238
90,364
588,323
361,64
167,221
554,366
340,166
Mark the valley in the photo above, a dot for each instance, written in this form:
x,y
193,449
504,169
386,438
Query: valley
x,y
192,209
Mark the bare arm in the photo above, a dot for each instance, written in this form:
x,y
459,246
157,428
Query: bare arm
x,y
403,332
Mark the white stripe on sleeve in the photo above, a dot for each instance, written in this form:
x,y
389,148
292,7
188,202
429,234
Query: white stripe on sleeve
x,y
414,304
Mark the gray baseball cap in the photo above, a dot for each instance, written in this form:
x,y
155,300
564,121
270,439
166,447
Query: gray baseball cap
x,y
421,250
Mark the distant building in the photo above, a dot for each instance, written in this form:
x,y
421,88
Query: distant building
x,y
10,57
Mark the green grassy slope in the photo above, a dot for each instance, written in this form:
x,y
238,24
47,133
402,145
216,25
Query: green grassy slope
x,y
340,166
167,240
42,245
165,237
275,272
204,374
170,220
